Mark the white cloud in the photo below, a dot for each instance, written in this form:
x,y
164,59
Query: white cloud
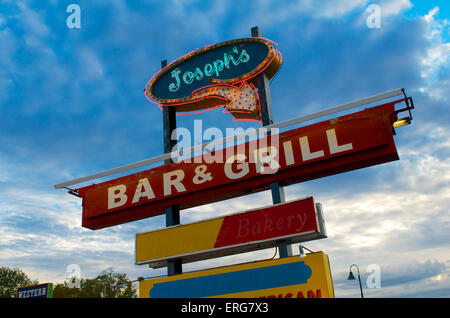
x,y
32,21
38,226
90,65
429,17
436,58
394,7
416,278
2,20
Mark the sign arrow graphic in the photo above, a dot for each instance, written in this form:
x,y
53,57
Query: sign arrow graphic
x,y
242,102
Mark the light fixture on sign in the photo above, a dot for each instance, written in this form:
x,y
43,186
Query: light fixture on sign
x,y
402,122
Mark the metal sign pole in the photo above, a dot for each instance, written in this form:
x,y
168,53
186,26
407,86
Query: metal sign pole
x,y
172,212
267,119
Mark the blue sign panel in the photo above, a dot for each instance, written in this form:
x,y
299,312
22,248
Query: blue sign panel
x,y
224,63
186,83
234,282
36,291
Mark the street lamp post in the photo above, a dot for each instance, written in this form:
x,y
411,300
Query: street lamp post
x,y
352,277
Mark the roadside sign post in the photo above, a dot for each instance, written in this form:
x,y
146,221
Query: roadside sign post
x,y
172,212
267,119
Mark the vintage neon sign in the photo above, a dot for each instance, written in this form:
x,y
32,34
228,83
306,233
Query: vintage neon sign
x,y
218,75
210,69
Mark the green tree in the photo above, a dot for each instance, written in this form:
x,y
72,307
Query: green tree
x,y
107,284
11,279
62,290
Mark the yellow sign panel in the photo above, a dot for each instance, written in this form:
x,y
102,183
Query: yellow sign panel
x,y
297,221
290,277
181,239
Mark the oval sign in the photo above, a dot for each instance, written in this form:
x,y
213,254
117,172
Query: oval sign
x,y
188,82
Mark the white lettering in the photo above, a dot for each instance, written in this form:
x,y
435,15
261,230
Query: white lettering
x,y
143,189
73,20
288,154
217,156
193,308
117,196
267,155
242,167
374,19
241,142
176,182
306,153
374,279
184,143
332,143
74,277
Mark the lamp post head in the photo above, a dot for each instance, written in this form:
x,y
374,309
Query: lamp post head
x,y
351,276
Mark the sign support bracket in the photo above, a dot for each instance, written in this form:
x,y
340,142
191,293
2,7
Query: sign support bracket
x,y
278,196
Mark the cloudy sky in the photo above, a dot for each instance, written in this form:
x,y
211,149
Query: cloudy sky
x,y
72,104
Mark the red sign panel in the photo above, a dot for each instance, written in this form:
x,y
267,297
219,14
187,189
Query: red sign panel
x,y
268,223
333,146
295,221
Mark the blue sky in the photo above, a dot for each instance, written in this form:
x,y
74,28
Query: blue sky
x,y
72,104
